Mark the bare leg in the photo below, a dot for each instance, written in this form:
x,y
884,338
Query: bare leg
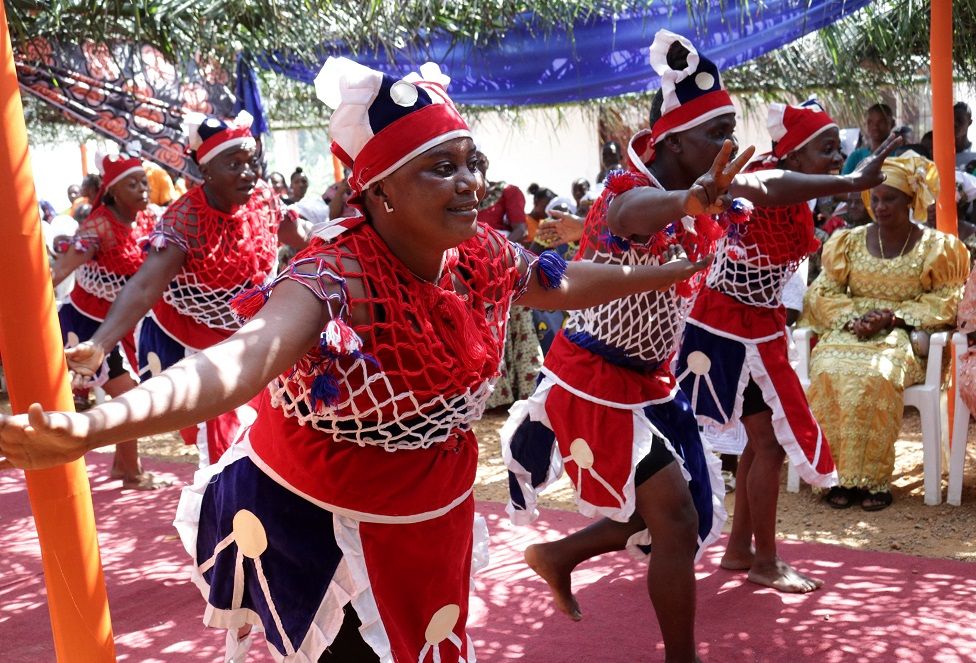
x,y
554,561
125,464
665,504
762,484
739,552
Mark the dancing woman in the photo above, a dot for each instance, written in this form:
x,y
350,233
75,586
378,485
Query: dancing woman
x,y
103,255
734,362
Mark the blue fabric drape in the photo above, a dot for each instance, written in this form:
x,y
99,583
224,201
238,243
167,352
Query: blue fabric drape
x,y
249,95
602,57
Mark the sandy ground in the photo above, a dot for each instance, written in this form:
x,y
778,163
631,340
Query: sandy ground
x,y
907,526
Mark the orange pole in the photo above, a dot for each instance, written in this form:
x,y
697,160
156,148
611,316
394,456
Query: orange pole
x,y
33,360
337,168
84,158
943,135
943,139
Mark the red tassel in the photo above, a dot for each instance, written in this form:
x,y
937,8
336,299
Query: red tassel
x,y
246,304
457,329
619,181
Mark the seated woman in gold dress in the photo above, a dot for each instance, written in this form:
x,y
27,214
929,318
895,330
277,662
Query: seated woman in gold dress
x,y
879,283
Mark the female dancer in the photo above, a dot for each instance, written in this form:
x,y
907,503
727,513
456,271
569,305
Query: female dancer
x,y
103,255
734,361
380,344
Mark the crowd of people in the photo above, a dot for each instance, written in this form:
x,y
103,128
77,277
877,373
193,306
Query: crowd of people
x,y
371,326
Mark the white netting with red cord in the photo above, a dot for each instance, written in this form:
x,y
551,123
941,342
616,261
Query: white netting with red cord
x,y
118,253
403,363
645,326
225,253
761,251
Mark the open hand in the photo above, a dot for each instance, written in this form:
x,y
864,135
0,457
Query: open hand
x,y
562,228
39,439
710,192
84,362
868,173
680,268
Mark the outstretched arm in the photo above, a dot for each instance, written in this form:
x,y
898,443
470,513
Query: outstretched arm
x,y
775,188
197,388
586,284
643,211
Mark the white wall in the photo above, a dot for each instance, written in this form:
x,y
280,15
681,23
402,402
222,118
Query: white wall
x,y
551,147
58,166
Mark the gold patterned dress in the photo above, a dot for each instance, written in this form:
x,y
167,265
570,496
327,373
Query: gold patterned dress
x,y
857,386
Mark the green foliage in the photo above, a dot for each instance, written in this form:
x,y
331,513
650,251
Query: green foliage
x,y
884,45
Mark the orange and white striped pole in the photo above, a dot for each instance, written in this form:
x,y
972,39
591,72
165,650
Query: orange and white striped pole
x,y
33,361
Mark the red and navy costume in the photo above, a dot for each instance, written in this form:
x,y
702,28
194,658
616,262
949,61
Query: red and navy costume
x,y
118,255
386,402
607,394
226,254
736,333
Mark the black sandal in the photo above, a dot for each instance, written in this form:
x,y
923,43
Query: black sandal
x,y
881,501
839,497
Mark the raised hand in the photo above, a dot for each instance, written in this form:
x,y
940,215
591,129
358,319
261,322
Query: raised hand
x,y
868,173
40,439
84,362
710,192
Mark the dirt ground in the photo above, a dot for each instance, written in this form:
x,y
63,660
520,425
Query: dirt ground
x,y
908,526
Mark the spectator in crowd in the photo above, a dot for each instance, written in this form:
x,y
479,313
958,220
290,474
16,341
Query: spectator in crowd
x,y
162,190
962,119
541,196
278,185
883,288
610,159
503,206
879,122
298,188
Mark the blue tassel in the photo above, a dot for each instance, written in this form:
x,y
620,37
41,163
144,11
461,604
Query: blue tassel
x,y
615,242
325,389
550,269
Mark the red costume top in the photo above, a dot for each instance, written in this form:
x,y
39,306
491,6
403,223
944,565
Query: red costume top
x,y
753,263
226,254
117,257
641,330
389,401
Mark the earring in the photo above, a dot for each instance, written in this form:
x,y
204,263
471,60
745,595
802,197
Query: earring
x,y
387,207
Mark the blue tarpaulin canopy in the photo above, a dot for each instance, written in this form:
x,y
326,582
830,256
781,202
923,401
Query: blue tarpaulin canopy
x,y
599,57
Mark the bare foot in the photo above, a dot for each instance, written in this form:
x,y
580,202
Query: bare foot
x,y
737,560
144,481
782,577
559,579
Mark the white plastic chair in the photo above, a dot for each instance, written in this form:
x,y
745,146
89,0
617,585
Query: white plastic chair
x,y
960,428
927,398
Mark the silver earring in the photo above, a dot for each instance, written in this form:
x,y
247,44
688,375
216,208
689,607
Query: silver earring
x,y
386,206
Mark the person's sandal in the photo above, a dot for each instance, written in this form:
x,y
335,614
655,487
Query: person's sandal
x,y
839,497
879,501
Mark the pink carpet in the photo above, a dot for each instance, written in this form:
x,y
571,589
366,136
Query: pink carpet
x,y
875,607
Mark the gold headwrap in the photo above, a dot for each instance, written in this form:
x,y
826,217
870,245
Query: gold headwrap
x,y
913,174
